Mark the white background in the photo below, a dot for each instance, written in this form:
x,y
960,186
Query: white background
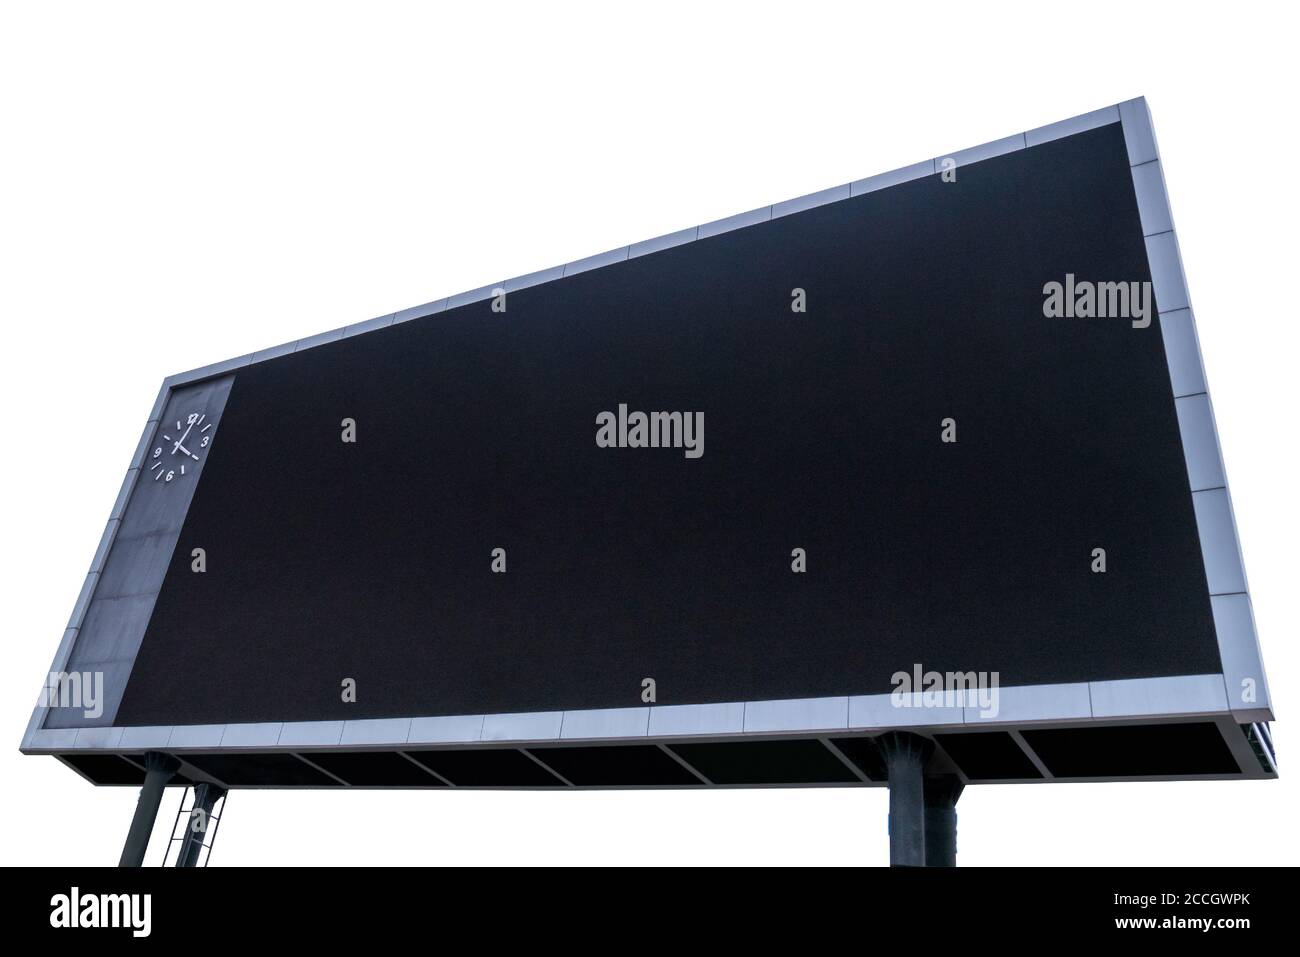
x,y
181,183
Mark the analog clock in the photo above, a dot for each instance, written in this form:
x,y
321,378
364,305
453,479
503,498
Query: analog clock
x,y
181,448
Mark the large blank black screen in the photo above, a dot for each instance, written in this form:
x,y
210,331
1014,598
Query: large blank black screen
x,y
476,430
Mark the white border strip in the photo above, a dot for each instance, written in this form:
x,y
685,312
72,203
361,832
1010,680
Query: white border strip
x,y
1017,706
1244,681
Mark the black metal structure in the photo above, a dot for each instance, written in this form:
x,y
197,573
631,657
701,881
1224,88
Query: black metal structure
x,y
200,824
159,769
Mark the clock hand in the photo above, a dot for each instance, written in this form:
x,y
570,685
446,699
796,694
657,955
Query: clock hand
x,y
182,439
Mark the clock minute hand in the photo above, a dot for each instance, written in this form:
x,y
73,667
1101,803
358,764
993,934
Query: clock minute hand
x,y
182,439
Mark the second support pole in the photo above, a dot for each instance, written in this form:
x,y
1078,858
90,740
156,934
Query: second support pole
x,y
905,756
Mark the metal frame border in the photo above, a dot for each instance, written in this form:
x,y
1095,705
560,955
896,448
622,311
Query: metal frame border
x,y
1225,571
1143,700
1252,765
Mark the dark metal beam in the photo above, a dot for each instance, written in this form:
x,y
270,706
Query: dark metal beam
x,y
159,769
684,763
905,756
206,797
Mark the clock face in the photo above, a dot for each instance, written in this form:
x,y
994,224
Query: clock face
x,y
180,447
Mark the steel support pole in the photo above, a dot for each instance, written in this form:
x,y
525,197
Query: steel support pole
x,y
206,797
941,793
159,769
905,756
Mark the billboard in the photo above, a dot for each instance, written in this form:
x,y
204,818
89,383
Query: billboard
x,y
930,451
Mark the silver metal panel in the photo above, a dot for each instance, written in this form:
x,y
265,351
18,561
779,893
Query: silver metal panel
x,y
1076,124
1183,351
1033,703
196,736
879,711
697,719
1152,200
93,661
116,674
1219,549
1139,136
1184,694
160,402
376,731
66,644
260,735
304,734
283,349
114,623
59,664
976,154
597,261
1167,280
54,740
136,565
320,339
419,312
142,446
446,730
606,723
83,600
1200,443
370,325
474,295
892,178
105,542
110,632
124,493
739,221
1243,666
797,714
526,726
821,198
152,513
648,246
151,736
208,372
99,738
533,279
